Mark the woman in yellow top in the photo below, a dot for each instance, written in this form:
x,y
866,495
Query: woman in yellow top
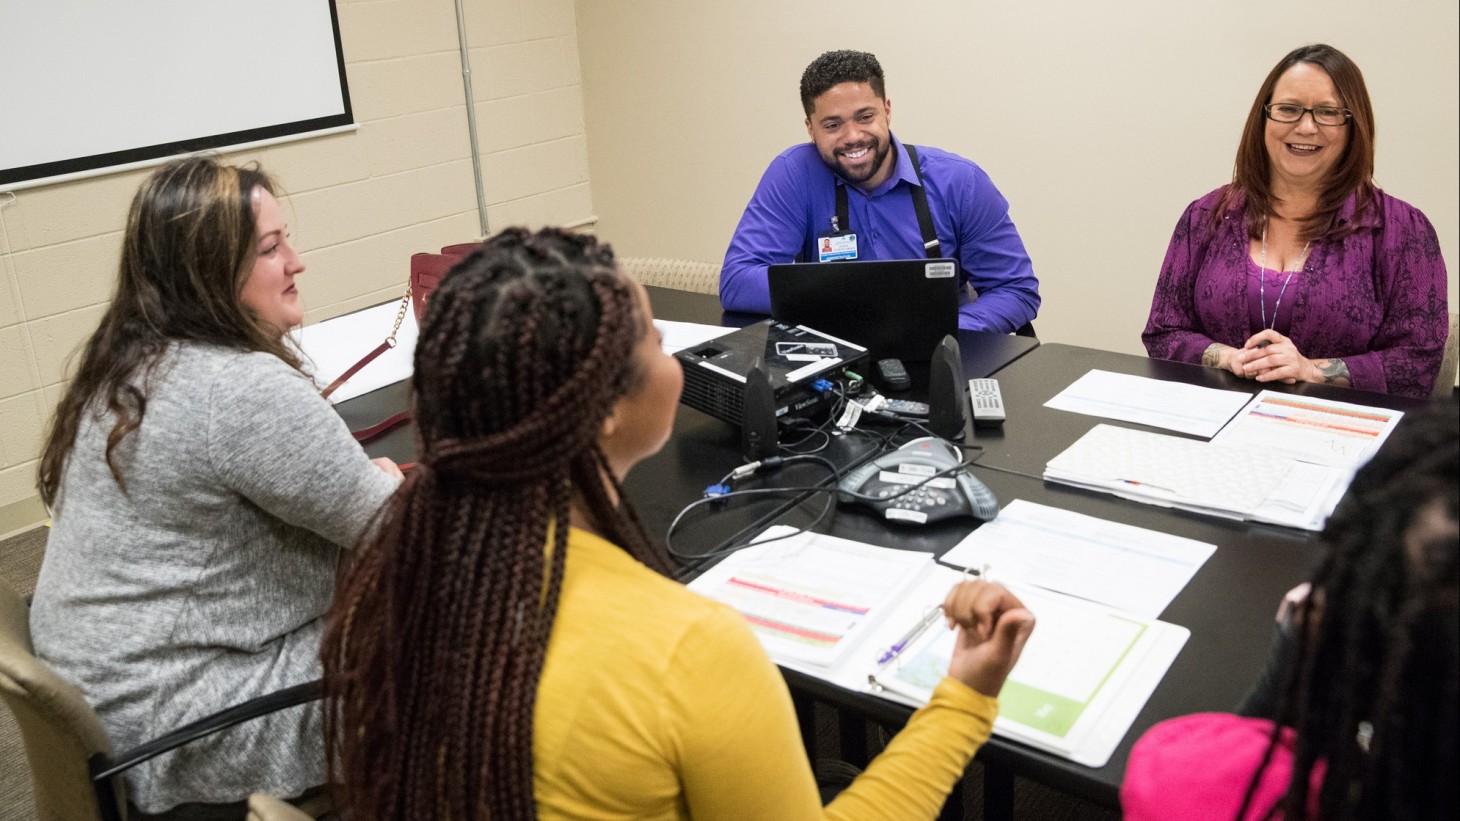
x,y
509,646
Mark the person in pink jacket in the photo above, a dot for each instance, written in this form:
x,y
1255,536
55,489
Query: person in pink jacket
x,y
1365,676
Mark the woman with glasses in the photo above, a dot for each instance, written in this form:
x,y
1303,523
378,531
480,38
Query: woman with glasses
x,y
1301,269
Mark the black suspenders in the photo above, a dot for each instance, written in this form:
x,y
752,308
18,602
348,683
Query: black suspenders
x,y
931,245
925,220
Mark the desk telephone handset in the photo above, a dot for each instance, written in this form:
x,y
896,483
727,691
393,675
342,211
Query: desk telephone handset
x,y
953,494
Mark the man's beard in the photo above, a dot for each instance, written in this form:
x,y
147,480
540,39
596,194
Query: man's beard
x,y
879,151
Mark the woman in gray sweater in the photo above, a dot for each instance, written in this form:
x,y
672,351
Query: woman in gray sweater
x,y
201,491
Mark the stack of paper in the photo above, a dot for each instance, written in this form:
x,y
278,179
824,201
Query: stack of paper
x,y
833,608
1283,460
1119,565
1204,477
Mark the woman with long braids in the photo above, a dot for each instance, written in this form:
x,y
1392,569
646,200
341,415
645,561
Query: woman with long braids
x,y
1366,687
508,646
201,491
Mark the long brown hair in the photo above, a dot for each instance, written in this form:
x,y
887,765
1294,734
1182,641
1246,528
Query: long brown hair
x,y
190,242
1352,175
437,635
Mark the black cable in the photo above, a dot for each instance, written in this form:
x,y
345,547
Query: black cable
x,y
833,490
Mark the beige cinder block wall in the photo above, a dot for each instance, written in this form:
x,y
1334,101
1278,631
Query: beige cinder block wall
x,y
360,202
1098,121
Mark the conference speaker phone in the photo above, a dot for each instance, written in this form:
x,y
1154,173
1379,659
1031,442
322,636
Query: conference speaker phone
x,y
923,481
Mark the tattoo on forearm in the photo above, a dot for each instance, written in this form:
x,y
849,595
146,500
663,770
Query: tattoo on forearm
x,y
1212,356
1334,371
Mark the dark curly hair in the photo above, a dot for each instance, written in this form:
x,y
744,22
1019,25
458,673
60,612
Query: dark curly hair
x,y
437,635
836,67
1374,689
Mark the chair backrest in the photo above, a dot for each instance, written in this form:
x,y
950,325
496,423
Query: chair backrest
x,y
679,274
60,729
1445,382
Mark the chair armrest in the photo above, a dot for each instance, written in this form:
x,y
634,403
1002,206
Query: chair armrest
x,y
222,720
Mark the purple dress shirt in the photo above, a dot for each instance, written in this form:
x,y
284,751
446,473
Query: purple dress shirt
x,y
1375,298
796,199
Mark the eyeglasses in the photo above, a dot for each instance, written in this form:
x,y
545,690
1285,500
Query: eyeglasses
x,y
1322,115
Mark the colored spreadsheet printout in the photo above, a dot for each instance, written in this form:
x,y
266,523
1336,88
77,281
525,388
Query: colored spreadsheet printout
x,y
1084,676
809,596
1320,431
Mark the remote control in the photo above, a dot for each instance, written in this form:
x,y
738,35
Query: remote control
x,y
893,374
987,401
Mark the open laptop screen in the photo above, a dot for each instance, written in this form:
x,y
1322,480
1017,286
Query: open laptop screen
x,y
895,308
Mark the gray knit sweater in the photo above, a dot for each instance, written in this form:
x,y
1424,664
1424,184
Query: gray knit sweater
x,y
203,584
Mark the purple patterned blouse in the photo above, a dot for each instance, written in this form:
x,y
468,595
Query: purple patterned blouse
x,y
1375,298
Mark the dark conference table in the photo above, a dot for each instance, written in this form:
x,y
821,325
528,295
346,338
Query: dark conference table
x,y
701,449
1228,605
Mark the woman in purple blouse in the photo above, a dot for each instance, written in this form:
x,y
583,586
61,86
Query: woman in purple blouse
x,y
1302,270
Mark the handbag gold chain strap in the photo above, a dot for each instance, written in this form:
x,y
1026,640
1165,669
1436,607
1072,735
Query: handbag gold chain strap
x,y
400,317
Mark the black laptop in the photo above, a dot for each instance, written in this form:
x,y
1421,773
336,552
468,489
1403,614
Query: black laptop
x,y
898,308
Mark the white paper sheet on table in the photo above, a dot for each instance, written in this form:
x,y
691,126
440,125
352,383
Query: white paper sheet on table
x,y
1085,675
1172,405
1321,431
332,346
681,335
1129,568
1205,477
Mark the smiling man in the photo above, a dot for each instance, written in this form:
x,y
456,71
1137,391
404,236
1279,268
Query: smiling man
x,y
856,192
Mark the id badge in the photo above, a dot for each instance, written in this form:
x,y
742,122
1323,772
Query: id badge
x,y
836,246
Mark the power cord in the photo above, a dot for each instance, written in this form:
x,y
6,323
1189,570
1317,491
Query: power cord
x,y
721,492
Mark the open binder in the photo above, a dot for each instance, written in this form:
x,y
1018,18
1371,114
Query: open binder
x,y
865,618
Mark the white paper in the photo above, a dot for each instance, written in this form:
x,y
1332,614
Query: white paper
x,y
1172,405
331,347
1205,477
1129,568
681,335
1115,695
1113,690
810,596
1321,431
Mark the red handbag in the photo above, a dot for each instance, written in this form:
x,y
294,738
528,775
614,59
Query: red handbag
x,y
426,273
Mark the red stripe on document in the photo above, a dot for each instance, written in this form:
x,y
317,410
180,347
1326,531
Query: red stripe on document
x,y
792,595
793,632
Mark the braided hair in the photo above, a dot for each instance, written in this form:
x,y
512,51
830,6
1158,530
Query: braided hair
x,y
437,635
1373,693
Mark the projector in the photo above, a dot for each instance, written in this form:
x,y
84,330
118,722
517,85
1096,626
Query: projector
x,y
792,356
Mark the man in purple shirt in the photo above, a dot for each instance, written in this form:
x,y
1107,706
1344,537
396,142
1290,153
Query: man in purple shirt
x,y
855,192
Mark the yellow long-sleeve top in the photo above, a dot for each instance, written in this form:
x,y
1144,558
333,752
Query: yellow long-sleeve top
x,y
657,703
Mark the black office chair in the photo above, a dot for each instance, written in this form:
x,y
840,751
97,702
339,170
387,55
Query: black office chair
x,y
73,768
